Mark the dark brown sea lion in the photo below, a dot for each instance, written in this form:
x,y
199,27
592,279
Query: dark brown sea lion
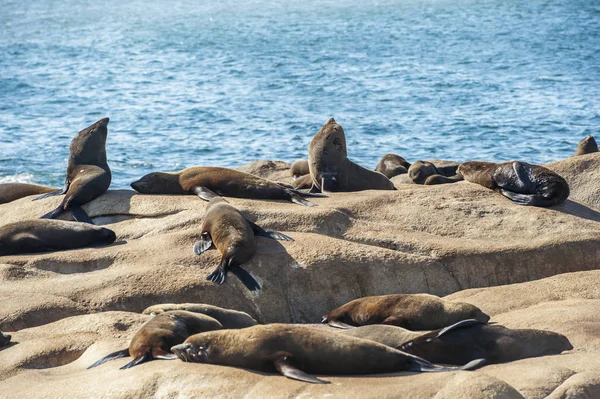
x,y
88,174
4,339
51,235
300,168
392,165
586,146
155,339
223,181
437,172
229,318
387,335
471,339
233,235
523,183
13,191
302,183
330,168
296,350
411,311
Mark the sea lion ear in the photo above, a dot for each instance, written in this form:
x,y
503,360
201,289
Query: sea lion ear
x,y
283,365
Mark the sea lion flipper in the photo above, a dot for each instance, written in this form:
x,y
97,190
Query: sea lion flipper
x,y
286,369
460,324
168,356
422,365
204,193
204,243
138,360
246,278
523,199
53,214
296,199
275,235
339,324
111,356
80,215
62,191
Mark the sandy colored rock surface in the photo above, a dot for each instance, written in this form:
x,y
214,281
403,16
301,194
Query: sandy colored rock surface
x,y
67,309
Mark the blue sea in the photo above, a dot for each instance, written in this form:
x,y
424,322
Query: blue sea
x,y
229,82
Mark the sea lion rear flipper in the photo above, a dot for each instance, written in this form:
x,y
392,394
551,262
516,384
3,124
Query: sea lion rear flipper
x,y
526,199
245,277
286,369
460,324
275,235
422,365
53,214
62,191
111,356
296,199
138,360
339,324
80,215
204,193
204,243
168,356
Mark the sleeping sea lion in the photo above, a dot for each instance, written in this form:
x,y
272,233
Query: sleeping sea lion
x,y
411,311
392,165
31,236
330,168
471,339
13,191
523,183
436,172
229,318
296,350
223,181
233,235
155,339
299,168
88,174
384,334
4,339
586,146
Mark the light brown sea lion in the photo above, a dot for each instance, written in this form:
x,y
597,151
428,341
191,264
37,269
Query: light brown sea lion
x,y
223,181
586,146
411,311
233,235
330,168
42,235
13,191
387,335
392,165
471,339
436,172
296,350
155,339
88,174
523,183
302,183
4,339
229,318
300,168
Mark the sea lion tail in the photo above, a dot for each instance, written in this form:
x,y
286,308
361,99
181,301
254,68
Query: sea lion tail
x,y
528,199
53,214
138,360
111,356
422,365
245,277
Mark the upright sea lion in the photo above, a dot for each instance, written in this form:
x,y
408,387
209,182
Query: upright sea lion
x,y
233,235
586,146
155,339
300,168
387,335
330,168
523,183
471,339
295,350
229,318
437,172
411,311
223,181
13,191
392,165
31,236
4,339
88,174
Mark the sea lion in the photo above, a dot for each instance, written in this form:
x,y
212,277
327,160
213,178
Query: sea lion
x,y
13,191
302,183
88,174
31,236
330,168
233,235
471,339
223,181
155,338
229,318
296,350
300,168
392,165
586,146
387,335
523,183
4,339
429,173
411,311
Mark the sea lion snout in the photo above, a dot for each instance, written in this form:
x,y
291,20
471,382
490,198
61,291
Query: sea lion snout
x,y
102,122
108,236
189,352
139,185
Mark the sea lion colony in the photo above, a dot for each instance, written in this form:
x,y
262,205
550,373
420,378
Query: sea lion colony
x,y
388,333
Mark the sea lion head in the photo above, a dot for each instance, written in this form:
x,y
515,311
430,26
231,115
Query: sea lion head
x,y
89,146
4,339
106,236
158,183
466,311
419,171
587,146
192,353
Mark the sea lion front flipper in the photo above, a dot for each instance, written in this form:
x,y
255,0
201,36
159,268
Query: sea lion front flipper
x,y
204,243
460,324
138,360
245,277
111,356
204,193
62,191
275,235
80,215
286,369
53,214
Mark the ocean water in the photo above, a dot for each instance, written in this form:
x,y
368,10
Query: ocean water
x,y
228,82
